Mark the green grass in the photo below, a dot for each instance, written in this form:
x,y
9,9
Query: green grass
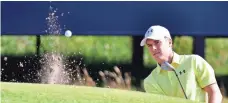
x,y
18,45
95,48
112,49
217,54
46,93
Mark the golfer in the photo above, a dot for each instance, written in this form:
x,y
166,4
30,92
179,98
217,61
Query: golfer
x,y
195,74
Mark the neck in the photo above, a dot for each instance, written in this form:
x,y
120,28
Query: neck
x,y
170,58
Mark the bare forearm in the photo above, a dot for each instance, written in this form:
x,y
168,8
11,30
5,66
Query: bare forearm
x,y
214,94
215,98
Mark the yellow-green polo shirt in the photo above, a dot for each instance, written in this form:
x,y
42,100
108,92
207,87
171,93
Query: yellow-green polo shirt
x,y
194,73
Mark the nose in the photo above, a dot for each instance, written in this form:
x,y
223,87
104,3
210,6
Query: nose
x,y
154,47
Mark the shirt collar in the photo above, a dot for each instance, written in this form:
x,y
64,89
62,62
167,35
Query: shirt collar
x,y
175,62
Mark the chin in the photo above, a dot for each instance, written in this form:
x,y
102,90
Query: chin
x,y
158,59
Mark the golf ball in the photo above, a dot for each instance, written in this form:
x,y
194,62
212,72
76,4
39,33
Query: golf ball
x,y
68,33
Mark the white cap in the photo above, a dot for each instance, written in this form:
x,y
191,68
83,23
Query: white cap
x,y
155,32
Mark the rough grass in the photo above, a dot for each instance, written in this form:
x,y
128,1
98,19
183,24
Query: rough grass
x,y
46,93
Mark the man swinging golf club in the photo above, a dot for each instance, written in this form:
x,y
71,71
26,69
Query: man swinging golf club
x,y
185,76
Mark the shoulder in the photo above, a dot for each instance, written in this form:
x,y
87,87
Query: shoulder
x,y
197,61
191,57
192,60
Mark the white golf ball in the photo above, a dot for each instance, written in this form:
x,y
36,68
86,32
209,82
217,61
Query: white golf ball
x,y
68,33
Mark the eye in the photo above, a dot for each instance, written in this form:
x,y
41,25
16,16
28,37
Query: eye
x,y
149,45
156,42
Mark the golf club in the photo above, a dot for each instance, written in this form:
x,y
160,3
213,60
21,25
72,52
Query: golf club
x,y
169,67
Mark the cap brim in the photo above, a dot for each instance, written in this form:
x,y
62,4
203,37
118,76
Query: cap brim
x,y
143,42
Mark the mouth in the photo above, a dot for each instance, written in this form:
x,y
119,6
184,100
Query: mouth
x,y
156,53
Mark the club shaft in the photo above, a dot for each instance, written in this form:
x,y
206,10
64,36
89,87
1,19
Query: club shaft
x,y
181,85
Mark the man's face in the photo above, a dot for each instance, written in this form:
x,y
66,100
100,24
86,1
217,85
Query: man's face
x,y
159,49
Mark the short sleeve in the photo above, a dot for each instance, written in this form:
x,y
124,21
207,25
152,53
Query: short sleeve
x,y
204,72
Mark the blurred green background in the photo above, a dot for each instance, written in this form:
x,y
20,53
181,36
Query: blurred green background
x,y
111,49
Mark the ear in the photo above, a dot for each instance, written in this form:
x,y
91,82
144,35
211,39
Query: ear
x,y
170,43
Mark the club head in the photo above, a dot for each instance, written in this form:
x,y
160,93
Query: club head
x,y
166,66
